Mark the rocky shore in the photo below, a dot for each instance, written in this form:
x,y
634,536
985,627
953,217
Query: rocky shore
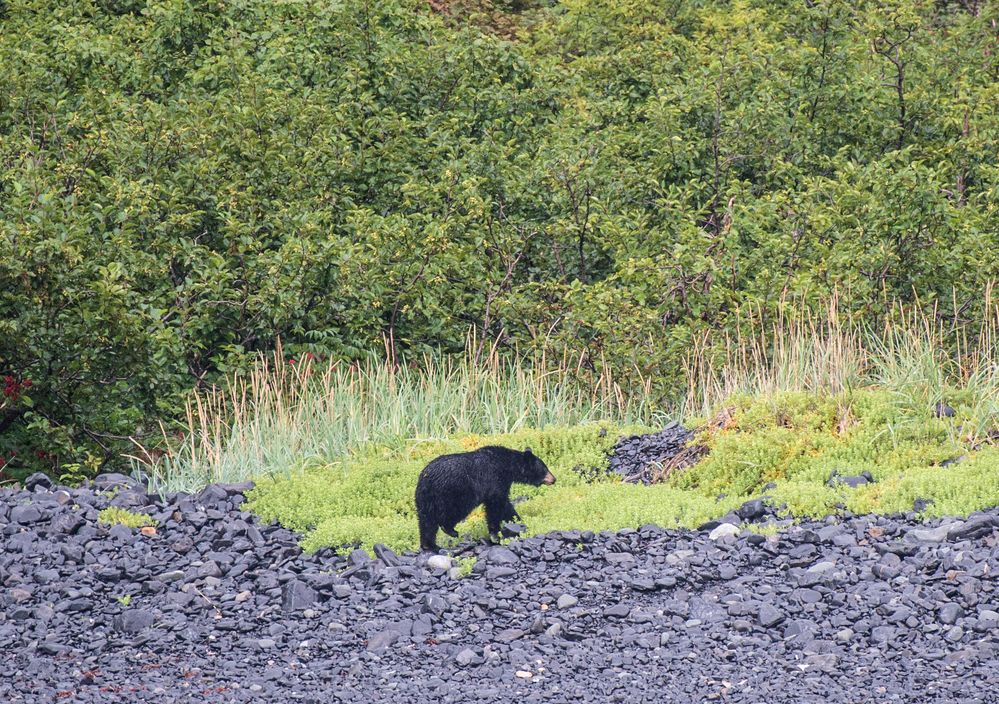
x,y
212,606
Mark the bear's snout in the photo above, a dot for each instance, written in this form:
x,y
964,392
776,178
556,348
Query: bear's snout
x,y
549,478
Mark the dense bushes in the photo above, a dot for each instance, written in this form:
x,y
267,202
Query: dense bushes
x,y
181,183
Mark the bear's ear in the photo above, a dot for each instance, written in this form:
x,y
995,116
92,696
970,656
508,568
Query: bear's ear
x,y
528,451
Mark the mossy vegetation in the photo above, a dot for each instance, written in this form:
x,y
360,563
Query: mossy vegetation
x,y
114,515
368,497
794,440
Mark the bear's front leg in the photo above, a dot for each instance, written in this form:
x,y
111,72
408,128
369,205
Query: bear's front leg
x,y
510,512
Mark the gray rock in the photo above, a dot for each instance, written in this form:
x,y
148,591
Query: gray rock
x,y
988,620
950,612
382,640
500,555
386,556
25,514
769,616
752,510
851,481
882,634
468,657
824,663
134,620
509,635
932,535
617,611
975,527
65,523
619,558
297,595
38,480
433,604
566,601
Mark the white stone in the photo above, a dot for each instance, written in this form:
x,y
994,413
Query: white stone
x,y
439,562
724,530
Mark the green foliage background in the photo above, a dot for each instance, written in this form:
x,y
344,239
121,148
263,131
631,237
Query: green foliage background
x,y
183,181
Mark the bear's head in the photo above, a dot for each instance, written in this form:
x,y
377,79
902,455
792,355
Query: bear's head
x,y
534,471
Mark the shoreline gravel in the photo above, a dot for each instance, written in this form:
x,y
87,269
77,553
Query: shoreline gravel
x,y
216,607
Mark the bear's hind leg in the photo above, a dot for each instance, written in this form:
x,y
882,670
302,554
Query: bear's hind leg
x,y
428,536
450,530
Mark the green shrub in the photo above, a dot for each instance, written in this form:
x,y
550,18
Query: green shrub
x,y
182,186
466,565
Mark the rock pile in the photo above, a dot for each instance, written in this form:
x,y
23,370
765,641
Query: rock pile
x,y
649,458
215,607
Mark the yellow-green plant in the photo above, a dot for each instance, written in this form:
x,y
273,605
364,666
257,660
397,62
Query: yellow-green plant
x,y
115,515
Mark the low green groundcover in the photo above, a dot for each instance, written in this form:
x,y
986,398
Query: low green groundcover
x,y
794,440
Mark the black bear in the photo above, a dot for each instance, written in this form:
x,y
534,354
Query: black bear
x,y
452,485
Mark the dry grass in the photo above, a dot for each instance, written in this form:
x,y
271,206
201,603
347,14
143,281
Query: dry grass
x,y
919,356
282,415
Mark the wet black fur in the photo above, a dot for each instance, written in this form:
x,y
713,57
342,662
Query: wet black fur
x,y
451,486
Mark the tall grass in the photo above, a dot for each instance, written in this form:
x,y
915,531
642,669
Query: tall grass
x,y
283,415
916,354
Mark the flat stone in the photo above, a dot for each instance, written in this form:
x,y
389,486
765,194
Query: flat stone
x,y
500,555
618,558
975,527
932,535
509,635
769,616
25,515
383,640
826,662
617,611
467,657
